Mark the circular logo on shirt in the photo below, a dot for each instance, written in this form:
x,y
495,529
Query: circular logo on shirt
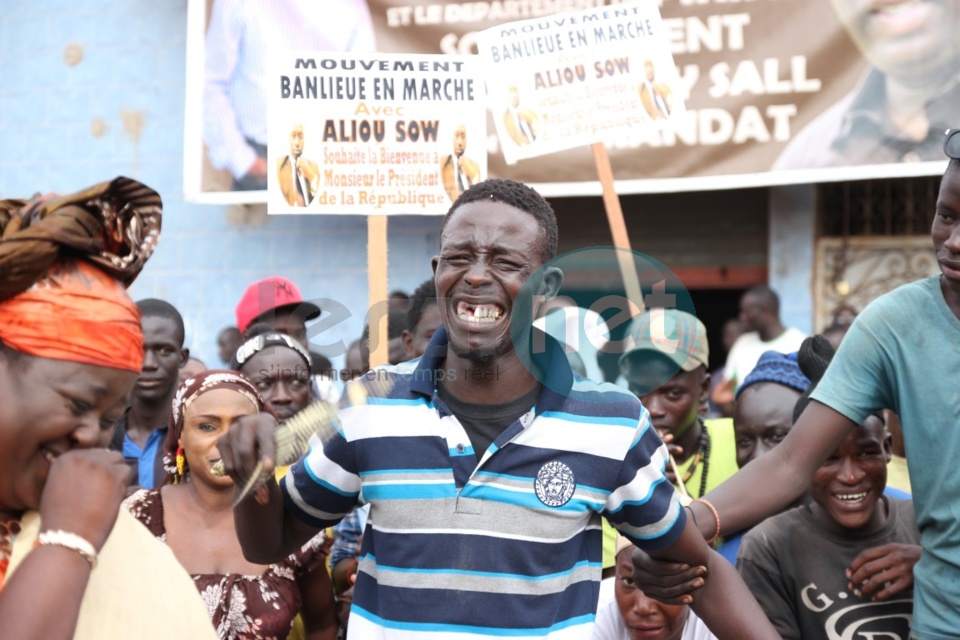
x,y
555,484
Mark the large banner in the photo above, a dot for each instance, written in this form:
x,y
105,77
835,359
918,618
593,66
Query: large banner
x,y
374,133
776,91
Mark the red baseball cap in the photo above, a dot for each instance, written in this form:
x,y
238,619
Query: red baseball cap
x,y
269,294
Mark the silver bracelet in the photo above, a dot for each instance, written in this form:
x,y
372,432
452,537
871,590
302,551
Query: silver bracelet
x,y
70,541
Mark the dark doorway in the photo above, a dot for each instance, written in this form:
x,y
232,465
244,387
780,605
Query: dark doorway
x,y
714,307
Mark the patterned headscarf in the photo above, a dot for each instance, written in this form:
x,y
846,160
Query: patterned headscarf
x,y
781,368
114,225
190,390
65,263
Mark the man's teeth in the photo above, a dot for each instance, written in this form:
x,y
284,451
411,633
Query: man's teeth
x,y
479,314
49,455
850,497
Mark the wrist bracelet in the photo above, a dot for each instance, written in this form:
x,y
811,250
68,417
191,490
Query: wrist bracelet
x,y
70,541
716,516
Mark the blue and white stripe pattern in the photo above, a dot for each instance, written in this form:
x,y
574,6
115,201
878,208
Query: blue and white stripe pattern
x,y
458,549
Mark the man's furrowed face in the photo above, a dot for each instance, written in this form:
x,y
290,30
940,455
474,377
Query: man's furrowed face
x,y
282,378
487,251
296,141
460,141
903,38
762,418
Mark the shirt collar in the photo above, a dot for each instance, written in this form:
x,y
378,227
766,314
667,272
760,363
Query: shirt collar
x,y
552,362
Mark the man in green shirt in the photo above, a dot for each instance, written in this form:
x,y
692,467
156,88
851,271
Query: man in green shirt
x,y
668,372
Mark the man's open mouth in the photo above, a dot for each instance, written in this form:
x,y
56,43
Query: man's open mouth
x,y
479,313
850,497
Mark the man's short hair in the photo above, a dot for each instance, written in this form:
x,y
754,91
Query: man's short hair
x,y
424,295
396,323
516,194
156,308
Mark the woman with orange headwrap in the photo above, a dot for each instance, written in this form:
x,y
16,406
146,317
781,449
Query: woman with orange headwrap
x,y
70,350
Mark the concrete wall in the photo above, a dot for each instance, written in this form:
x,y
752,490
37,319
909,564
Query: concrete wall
x,y
94,89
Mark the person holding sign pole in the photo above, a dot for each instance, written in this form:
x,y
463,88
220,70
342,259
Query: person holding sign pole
x,y
299,177
457,171
487,464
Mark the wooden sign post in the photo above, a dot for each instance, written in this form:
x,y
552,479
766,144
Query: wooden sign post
x,y
377,284
618,228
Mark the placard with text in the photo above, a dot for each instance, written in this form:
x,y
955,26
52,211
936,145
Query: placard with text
x,y
572,79
374,133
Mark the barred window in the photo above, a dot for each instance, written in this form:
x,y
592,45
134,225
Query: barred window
x,y
889,207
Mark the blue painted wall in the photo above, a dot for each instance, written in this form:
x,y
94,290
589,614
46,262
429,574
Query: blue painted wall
x,y
66,126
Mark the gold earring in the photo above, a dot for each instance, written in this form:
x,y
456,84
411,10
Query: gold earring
x,y
181,463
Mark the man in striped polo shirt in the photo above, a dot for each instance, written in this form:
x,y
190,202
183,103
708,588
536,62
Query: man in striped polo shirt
x,y
487,466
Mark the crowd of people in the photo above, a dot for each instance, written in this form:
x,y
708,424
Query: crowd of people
x,y
482,487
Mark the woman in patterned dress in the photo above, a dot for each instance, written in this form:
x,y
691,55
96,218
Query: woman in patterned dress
x,y
193,514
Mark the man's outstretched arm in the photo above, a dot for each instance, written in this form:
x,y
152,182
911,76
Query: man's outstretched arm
x,y
267,532
724,604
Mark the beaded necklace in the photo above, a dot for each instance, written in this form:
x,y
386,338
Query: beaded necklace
x,y
703,454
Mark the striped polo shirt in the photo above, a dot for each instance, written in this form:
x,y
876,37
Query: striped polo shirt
x,y
507,547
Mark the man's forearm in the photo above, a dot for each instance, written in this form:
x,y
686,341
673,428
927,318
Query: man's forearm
x,y
727,606
724,603
261,528
740,504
